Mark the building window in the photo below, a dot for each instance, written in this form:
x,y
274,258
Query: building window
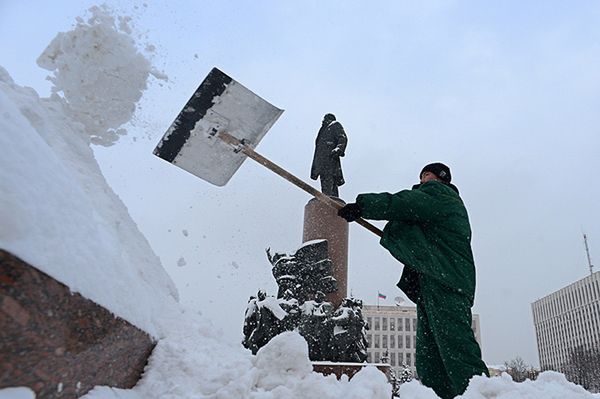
x,y
384,341
400,342
407,324
392,341
414,324
377,358
370,340
392,324
414,339
408,360
370,321
400,359
399,324
384,323
407,341
377,324
393,358
368,357
377,341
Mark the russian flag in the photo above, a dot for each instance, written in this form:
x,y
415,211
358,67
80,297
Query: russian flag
x,y
380,295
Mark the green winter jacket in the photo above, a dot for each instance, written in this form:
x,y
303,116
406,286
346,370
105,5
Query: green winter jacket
x,y
429,232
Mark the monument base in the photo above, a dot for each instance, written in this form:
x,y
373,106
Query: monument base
x,y
349,369
321,222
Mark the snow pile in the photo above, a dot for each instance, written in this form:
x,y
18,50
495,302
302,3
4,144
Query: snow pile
x,y
58,213
548,385
187,365
56,210
99,72
194,362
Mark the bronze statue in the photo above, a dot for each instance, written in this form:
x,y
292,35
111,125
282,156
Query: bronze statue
x,y
305,272
349,332
316,328
304,278
330,145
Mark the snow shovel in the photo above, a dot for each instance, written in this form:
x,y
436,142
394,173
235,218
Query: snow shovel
x,y
219,127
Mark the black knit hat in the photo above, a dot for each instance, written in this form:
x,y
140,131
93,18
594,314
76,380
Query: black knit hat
x,y
438,169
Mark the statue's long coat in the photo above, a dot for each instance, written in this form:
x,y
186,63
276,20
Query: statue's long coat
x,y
324,164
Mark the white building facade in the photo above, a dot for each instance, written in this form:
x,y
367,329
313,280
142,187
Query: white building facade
x,y
567,319
393,329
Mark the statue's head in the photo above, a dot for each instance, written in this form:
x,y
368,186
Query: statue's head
x,y
262,295
328,118
319,297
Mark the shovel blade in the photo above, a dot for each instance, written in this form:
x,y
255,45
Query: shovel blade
x,y
220,104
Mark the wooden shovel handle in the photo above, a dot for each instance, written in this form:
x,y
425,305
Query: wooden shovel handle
x,y
249,151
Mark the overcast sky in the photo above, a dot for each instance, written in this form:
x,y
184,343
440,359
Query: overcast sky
x,y
506,93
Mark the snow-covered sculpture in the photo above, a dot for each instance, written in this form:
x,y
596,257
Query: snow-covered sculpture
x,y
261,321
304,278
349,332
315,326
304,272
290,306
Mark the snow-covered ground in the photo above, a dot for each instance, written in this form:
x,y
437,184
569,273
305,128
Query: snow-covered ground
x,y
58,213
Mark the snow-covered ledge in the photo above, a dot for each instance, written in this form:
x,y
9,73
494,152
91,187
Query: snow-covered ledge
x,y
58,343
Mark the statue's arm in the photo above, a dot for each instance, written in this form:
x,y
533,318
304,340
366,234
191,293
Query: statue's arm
x,y
342,140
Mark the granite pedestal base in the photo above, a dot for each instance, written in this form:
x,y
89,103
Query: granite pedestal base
x,y
322,222
61,344
349,369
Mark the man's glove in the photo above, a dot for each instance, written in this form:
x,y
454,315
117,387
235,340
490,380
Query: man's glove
x,y
350,212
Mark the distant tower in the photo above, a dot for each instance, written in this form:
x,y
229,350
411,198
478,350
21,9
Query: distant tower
x,y
587,251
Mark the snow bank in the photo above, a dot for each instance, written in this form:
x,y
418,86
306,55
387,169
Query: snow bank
x,y
56,210
194,363
548,385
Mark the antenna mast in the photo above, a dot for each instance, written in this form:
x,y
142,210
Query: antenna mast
x,y
587,251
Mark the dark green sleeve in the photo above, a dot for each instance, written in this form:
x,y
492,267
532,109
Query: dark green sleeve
x,y
406,205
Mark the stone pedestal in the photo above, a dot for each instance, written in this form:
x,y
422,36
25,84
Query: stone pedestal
x,y
322,222
349,369
59,343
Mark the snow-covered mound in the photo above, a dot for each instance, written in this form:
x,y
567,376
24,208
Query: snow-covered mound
x,y
56,210
58,213
193,363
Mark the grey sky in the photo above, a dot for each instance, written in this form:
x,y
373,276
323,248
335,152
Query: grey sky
x,y
506,93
